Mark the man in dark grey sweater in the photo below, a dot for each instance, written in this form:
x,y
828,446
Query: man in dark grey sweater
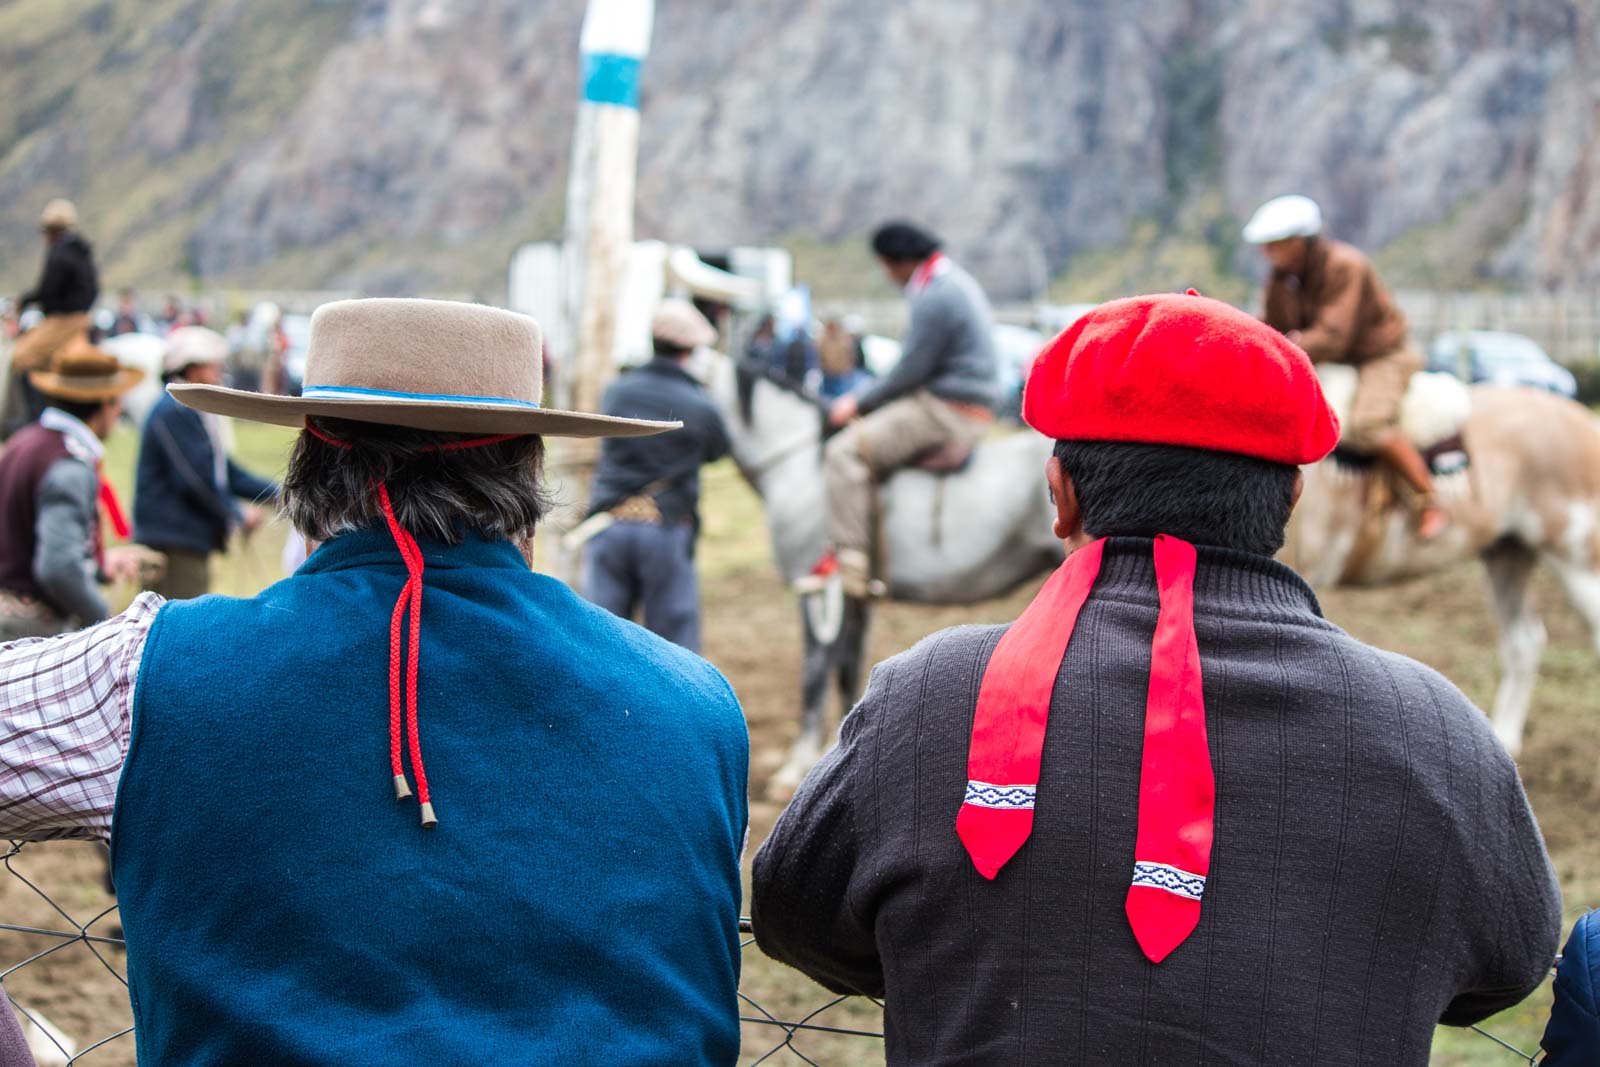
x,y
940,397
1257,840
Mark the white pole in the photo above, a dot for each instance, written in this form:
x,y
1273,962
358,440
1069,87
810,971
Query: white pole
x,y
599,231
600,188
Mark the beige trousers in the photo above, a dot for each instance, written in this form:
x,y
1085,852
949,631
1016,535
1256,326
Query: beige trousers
x,y
35,348
874,446
1380,389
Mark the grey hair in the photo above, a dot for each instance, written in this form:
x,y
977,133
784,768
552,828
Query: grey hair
x,y
497,489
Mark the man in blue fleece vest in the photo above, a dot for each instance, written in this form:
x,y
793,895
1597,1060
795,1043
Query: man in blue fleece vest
x,y
445,811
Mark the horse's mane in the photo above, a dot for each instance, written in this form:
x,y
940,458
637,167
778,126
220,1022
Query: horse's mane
x,y
750,371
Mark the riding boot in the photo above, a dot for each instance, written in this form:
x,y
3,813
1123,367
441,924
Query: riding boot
x,y
1404,457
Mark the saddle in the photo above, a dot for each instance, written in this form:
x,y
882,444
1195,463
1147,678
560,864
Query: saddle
x,y
1432,414
951,457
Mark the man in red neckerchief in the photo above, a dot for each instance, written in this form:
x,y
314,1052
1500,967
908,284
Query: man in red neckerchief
x,y
1171,814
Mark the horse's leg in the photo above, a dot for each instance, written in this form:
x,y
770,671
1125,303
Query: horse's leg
x,y
852,651
1509,565
1582,585
814,672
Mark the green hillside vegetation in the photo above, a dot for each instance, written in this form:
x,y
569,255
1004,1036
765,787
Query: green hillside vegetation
x,y
97,110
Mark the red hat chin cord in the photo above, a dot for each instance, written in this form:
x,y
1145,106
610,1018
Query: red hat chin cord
x,y
408,608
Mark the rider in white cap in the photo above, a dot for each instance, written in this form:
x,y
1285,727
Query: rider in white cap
x,y
1327,298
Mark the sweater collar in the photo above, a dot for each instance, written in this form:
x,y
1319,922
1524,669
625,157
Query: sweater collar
x,y
81,441
671,368
372,545
1226,581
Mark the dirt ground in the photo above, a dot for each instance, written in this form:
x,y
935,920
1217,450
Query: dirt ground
x,y
752,633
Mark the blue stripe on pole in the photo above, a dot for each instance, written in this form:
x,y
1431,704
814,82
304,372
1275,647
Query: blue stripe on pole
x,y
609,78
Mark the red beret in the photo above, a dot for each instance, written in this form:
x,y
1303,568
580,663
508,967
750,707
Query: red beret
x,y
1180,370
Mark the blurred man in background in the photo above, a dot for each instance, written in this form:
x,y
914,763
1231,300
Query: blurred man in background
x,y
940,396
187,488
67,288
1325,296
644,560
52,547
128,318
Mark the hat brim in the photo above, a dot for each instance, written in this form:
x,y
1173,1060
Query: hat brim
x,y
442,416
66,387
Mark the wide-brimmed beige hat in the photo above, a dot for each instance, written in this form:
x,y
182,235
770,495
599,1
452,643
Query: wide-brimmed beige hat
x,y
80,371
58,215
680,324
424,364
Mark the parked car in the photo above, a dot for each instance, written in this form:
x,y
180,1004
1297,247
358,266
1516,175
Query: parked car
x,y
1500,359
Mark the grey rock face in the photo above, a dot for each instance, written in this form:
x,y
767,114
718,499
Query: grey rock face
x,y
432,135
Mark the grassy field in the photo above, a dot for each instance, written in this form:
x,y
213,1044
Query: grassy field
x,y
752,634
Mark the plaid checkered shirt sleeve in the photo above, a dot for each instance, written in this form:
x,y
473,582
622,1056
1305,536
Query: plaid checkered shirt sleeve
x,y
66,704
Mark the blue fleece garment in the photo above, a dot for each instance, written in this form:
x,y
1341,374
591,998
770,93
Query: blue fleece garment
x,y
577,902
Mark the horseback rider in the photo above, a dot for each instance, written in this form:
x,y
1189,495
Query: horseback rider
x,y
941,395
67,288
1326,297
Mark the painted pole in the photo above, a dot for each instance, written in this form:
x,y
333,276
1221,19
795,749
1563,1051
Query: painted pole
x,y
599,228
600,188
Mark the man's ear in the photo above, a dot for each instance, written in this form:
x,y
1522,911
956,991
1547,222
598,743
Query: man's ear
x,y
1299,487
1064,495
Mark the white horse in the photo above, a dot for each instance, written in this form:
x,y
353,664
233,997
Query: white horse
x,y
1531,495
945,538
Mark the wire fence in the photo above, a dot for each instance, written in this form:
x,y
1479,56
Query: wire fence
x,y
836,1030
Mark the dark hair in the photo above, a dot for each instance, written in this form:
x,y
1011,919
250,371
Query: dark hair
x,y
82,410
1204,497
904,242
668,349
497,489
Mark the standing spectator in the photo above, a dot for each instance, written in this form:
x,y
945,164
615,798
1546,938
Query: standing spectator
x,y
1257,840
1572,1038
843,363
128,318
645,558
171,316
52,547
67,288
296,888
184,502
762,349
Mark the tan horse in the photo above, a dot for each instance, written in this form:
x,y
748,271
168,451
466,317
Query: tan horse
x,y
1531,495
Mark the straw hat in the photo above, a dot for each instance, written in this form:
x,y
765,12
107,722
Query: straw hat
x,y
80,371
424,364
189,345
58,215
680,324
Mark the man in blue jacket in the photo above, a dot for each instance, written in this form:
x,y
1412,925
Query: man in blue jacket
x,y
1572,1038
559,885
651,489
186,493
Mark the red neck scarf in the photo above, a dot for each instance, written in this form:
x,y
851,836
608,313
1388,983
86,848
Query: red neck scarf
x,y
407,609
927,271
1172,855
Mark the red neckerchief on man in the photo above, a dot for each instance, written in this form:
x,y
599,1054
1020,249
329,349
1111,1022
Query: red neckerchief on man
x,y
1152,370
933,267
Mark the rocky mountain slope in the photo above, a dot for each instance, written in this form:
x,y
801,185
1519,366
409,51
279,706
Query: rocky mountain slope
x,y
402,145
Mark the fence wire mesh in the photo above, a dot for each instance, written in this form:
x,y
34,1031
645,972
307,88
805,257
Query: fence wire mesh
x,y
68,957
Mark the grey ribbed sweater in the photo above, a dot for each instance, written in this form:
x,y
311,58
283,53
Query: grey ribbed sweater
x,y
1376,868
